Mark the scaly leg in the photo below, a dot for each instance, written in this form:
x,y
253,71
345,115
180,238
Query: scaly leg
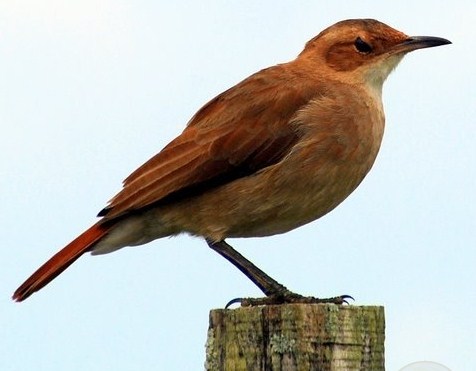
x,y
274,291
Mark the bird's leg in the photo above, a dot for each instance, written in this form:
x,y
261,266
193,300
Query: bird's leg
x,y
265,283
274,291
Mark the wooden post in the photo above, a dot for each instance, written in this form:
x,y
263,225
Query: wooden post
x,y
296,337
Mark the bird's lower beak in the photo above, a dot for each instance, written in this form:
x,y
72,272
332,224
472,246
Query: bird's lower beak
x,y
420,42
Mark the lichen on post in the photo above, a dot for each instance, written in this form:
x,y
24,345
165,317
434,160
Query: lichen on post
x,y
296,337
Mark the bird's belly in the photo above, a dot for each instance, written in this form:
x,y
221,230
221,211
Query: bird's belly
x,y
300,202
270,202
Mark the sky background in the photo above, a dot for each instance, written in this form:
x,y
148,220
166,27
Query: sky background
x,y
89,90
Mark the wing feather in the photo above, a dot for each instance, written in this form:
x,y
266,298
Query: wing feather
x,y
241,131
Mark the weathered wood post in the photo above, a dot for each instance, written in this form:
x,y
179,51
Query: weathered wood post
x,y
296,337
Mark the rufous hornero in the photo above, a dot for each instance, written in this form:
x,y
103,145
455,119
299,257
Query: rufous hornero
x,y
278,150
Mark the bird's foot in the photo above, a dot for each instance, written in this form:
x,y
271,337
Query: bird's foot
x,y
288,297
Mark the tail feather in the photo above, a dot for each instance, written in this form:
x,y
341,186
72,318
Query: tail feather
x,y
60,261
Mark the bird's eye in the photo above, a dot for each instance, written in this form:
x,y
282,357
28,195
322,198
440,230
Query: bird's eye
x,y
362,46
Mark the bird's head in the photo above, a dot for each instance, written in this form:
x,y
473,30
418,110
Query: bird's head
x,y
363,50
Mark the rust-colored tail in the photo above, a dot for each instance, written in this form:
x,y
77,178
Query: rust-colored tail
x,y
60,261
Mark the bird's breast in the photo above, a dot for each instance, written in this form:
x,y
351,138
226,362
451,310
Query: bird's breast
x,y
340,138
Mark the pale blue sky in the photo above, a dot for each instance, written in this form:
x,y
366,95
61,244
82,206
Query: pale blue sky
x,y
91,89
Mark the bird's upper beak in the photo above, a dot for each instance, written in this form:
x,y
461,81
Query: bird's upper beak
x,y
420,42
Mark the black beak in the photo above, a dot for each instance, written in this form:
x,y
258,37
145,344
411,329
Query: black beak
x,y
420,42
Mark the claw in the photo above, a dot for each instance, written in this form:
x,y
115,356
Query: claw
x,y
233,301
345,297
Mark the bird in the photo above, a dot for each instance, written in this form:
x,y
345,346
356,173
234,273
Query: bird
x,y
276,151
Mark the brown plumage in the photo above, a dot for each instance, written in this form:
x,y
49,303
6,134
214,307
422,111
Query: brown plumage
x,y
278,150
239,132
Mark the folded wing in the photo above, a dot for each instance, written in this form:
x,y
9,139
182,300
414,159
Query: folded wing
x,y
241,131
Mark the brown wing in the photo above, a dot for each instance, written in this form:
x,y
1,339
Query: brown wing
x,y
239,132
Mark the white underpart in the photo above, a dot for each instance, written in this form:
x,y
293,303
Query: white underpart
x,y
375,77
129,232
